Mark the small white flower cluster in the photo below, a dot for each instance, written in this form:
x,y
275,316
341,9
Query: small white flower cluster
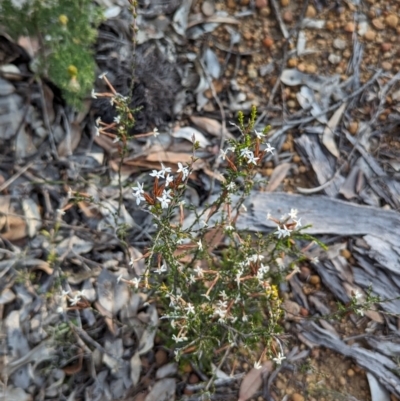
x,y
284,231
166,197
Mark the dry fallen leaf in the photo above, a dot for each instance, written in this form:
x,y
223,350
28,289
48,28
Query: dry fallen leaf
x,y
253,380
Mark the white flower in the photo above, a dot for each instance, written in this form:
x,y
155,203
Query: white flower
x,y
243,206
94,94
231,186
178,339
101,76
135,281
131,261
199,271
157,174
269,148
75,300
257,365
155,132
252,160
279,358
229,228
222,153
245,318
169,178
357,295
280,263
192,279
282,232
164,201
119,278
97,131
138,188
263,268
164,170
98,121
259,135
298,223
246,152
315,260
161,269
293,213
190,308
200,245
269,216
117,119
223,295
138,197
222,304
183,170
65,293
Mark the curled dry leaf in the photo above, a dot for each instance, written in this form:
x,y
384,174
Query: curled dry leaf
x,y
163,390
147,339
253,380
188,133
136,367
328,136
211,126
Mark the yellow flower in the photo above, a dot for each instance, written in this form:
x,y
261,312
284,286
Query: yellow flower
x,y
63,19
72,71
73,85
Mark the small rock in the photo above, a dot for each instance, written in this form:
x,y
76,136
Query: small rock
x,y
370,35
297,397
161,357
285,3
392,20
347,53
339,44
350,373
268,42
311,12
330,25
291,104
292,62
193,378
11,72
350,27
252,72
311,68
387,66
208,8
296,159
261,3
231,4
265,12
386,47
288,16
314,279
353,128
378,24
304,312
345,252
342,380
247,35
334,58
301,67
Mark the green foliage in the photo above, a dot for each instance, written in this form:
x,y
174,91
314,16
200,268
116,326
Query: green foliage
x,y
66,31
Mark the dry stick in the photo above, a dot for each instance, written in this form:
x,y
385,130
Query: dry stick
x,y
15,176
282,25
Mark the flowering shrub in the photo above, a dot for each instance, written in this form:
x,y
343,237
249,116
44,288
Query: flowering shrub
x,y
217,286
65,32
